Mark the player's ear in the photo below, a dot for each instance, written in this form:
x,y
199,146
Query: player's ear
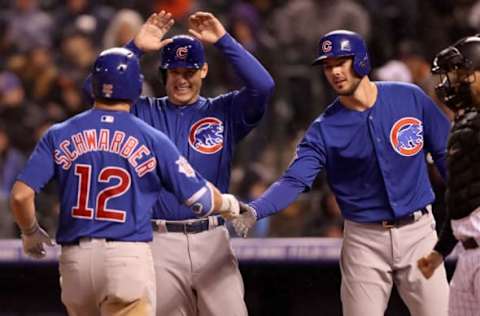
x,y
204,71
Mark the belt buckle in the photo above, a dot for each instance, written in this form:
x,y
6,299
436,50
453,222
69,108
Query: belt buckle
x,y
186,227
385,224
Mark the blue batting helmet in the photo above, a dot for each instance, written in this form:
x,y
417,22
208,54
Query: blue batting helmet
x,y
184,52
116,75
341,43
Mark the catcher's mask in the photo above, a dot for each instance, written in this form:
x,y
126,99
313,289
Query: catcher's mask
x,y
455,64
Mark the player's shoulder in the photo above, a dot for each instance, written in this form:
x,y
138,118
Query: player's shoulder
x,y
144,128
397,86
221,100
148,102
74,120
330,110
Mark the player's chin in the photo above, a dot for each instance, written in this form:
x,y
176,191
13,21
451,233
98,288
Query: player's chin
x,y
182,98
344,90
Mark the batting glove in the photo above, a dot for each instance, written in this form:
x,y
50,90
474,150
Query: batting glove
x,y
230,208
246,220
33,239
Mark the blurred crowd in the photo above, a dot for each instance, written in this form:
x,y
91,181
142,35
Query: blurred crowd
x,y
47,48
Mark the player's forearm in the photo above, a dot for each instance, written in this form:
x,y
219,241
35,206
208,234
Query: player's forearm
x,y
22,204
447,240
278,197
217,197
134,48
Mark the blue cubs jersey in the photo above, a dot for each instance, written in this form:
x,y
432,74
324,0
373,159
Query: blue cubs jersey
x,y
375,160
207,131
110,167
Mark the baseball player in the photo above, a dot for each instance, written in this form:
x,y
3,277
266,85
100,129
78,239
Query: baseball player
x,y
371,141
110,166
196,270
459,70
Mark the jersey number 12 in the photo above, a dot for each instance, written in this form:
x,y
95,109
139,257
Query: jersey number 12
x,y
81,209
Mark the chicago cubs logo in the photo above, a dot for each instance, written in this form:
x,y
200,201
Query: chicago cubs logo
x,y
326,46
182,52
406,136
206,135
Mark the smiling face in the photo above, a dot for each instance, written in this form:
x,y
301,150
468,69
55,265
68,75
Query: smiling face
x,y
340,75
184,84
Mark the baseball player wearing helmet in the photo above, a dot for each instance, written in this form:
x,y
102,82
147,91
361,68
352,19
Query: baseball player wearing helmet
x,y
371,141
459,70
196,270
110,166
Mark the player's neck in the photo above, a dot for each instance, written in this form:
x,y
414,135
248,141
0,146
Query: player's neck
x,y
363,98
112,106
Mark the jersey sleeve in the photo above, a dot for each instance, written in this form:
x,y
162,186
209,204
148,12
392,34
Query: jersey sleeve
x,y
436,128
309,161
40,167
249,103
179,177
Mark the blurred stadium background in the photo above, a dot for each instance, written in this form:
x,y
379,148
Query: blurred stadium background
x,y
48,46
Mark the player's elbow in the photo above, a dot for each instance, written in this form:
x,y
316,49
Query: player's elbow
x,y
267,86
21,193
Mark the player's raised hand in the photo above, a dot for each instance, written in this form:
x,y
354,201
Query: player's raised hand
x,y
150,36
33,241
206,27
246,220
429,263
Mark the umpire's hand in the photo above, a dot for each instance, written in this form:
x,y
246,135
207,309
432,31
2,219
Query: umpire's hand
x,y
429,263
246,220
33,240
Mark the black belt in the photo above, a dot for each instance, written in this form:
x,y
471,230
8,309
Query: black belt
x,y
188,228
76,242
470,243
404,220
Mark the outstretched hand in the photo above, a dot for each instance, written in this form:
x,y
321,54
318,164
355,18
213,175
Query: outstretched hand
x,y
206,27
246,220
150,36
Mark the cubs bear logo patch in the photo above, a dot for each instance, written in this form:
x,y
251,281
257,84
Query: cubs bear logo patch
x,y
406,136
206,135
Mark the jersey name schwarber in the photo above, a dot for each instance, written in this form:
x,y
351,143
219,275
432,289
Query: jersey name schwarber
x,y
113,141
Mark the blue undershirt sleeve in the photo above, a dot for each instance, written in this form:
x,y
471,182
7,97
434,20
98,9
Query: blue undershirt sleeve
x,y
252,99
280,195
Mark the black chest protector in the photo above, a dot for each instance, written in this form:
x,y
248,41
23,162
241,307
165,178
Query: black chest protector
x,y
463,162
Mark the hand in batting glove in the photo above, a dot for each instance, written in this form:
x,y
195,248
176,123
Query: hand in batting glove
x,y
429,263
230,208
33,239
246,220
